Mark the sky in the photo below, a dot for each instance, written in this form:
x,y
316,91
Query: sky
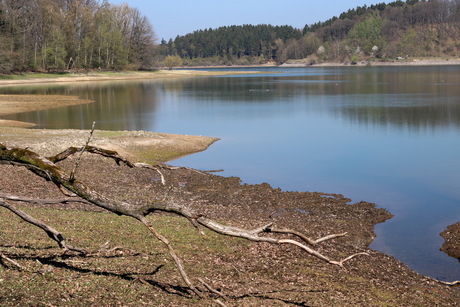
x,y
170,18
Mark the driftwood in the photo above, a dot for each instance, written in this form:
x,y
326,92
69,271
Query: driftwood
x,y
49,170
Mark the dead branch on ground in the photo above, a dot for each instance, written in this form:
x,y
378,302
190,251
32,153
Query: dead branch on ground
x,y
4,259
50,231
49,170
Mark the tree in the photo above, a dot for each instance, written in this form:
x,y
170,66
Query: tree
x,y
141,40
5,42
253,41
172,61
367,34
67,181
63,34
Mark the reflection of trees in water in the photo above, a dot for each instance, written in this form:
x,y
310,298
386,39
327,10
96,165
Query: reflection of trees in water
x,y
412,97
117,106
413,118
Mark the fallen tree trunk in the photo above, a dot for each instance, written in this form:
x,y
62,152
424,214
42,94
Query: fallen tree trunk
x,y
49,170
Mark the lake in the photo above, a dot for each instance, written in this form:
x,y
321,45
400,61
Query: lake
x,y
387,135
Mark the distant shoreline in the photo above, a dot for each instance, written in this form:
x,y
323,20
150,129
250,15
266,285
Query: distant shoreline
x,y
403,62
305,63
94,76
190,71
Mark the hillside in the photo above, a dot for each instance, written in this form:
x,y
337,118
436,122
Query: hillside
x,y
384,31
87,35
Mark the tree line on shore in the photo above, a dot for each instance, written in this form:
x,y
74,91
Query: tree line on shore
x,y
73,34
230,45
414,28
59,35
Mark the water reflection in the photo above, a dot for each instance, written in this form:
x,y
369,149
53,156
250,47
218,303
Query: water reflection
x,y
117,105
408,98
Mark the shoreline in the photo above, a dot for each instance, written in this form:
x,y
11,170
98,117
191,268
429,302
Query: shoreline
x,y
137,146
12,104
402,63
115,76
306,63
183,72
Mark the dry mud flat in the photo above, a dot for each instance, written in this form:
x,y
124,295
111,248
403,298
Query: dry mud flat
x,y
149,147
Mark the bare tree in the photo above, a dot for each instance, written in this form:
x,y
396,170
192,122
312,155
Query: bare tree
x,y
73,189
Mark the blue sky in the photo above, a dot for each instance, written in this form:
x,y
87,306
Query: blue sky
x,y
178,17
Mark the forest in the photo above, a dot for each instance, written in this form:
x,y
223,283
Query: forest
x,y
230,45
413,28
58,35
69,35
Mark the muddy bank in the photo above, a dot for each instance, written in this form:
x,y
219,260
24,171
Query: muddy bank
x,y
255,274
451,245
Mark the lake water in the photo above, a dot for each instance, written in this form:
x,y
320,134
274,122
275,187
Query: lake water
x,y
387,135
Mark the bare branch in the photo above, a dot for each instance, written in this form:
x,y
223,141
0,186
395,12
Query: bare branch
x,y
302,236
72,174
220,303
71,199
148,166
211,289
90,149
50,231
5,258
341,262
173,254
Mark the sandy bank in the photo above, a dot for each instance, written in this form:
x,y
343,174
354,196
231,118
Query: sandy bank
x,y
142,146
404,62
113,76
11,104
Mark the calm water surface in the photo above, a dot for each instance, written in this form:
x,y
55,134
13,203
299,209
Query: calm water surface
x,y
388,135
